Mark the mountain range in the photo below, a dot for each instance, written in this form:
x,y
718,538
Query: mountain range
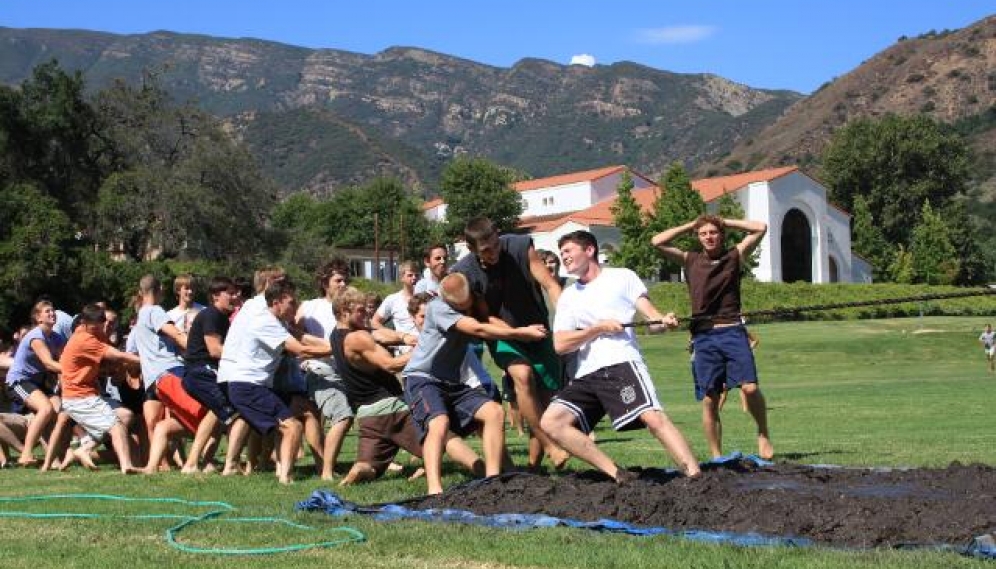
x,y
322,119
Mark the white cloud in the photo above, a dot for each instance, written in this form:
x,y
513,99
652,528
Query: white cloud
x,y
583,59
674,34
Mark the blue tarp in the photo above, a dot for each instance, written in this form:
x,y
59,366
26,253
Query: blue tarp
x,y
325,501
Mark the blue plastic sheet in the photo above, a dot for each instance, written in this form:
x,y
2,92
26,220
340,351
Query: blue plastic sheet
x,y
325,501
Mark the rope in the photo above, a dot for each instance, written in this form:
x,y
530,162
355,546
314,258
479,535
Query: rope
x,y
792,311
220,509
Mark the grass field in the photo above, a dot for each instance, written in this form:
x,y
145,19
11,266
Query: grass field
x,y
910,392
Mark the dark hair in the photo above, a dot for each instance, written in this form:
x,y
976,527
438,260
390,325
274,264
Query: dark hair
x,y
92,314
427,254
279,289
220,284
477,231
582,238
546,255
325,272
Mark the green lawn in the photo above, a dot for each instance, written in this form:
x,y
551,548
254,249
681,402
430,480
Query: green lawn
x,y
912,392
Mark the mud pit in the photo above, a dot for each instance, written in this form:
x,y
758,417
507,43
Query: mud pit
x,y
831,506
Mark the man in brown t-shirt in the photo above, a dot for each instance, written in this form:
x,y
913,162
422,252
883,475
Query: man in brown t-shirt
x,y
722,350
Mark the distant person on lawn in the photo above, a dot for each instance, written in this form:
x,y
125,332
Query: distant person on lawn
x,y
611,375
988,341
722,348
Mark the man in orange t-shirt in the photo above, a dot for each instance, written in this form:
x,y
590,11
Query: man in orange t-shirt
x,y
82,400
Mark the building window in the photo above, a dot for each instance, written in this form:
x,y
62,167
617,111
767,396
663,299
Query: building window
x,y
525,204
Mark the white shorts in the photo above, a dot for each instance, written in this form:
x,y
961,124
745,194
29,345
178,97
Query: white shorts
x,y
95,414
990,351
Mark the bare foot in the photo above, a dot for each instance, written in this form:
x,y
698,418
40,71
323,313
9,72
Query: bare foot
x,y
28,462
210,468
559,458
131,470
230,471
85,459
66,462
395,467
419,473
329,476
190,470
285,479
764,448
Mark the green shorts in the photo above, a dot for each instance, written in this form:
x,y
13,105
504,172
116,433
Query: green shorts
x,y
540,355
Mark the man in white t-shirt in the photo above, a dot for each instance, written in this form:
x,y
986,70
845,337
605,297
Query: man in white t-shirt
x,y
611,375
394,309
182,315
988,341
255,346
325,388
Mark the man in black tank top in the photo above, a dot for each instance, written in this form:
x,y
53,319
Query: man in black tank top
x,y
723,358
374,391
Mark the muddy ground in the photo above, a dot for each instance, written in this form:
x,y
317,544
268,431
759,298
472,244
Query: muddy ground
x,y
832,506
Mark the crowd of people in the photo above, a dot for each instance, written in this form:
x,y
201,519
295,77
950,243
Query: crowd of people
x,y
254,376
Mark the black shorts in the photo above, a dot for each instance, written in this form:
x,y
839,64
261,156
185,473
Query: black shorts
x,y
428,398
258,405
20,392
201,383
623,391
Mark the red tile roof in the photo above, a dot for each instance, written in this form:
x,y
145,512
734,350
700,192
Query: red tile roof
x,y
564,179
432,203
714,188
601,213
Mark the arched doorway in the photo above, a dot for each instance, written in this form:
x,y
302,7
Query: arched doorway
x,y
834,271
797,248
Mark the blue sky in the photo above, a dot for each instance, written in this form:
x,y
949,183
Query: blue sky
x,y
766,43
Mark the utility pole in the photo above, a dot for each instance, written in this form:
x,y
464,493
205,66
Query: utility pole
x,y
376,249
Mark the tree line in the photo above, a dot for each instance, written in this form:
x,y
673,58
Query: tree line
x,y
100,188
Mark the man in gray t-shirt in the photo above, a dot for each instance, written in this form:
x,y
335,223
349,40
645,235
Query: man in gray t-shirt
x,y
154,333
439,401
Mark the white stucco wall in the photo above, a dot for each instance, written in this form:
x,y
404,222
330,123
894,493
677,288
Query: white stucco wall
x,y
556,199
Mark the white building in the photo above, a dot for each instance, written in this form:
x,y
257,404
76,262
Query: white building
x,y
808,238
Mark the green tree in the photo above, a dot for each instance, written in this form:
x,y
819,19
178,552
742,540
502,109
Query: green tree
x,y
868,241
183,187
35,240
896,163
51,137
901,269
474,186
677,204
635,251
933,256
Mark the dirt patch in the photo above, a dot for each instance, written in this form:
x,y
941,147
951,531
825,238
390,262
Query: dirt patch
x,y
833,506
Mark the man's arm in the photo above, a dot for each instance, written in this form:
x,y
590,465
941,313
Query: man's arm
x,y
650,312
213,344
567,341
309,350
116,355
663,239
539,271
173,333
755,232
361,348
40,348
488,331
